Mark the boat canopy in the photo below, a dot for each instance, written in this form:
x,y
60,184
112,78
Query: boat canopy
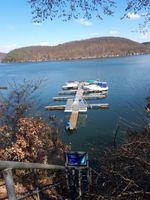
x,y
91,81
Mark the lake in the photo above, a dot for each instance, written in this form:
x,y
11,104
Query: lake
x,y
129,82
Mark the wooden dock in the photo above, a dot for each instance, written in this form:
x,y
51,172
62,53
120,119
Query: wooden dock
x,y
73,120
67,92
58,107
86,97
68,107
75,103
80,91
98,106
77,106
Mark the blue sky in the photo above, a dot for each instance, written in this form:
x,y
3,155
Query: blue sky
x,y
17,28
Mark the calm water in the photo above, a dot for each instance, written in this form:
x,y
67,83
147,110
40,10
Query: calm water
x,y
129,82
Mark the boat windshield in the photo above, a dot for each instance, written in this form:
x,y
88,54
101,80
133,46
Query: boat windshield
x,y
101,84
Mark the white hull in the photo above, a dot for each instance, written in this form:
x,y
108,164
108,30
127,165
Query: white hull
x,y
95,88
70,85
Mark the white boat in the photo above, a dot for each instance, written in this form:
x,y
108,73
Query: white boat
x,y
71,85
96,87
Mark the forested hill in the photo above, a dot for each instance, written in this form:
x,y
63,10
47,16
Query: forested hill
x,y
146,43
83,49
2,55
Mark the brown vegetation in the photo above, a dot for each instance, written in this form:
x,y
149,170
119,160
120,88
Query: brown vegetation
x,y
32,142
125,168
2,55
84,49
27,138
125,171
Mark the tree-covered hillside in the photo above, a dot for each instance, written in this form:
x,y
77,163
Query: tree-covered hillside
x,y
83,49
147,43
2,55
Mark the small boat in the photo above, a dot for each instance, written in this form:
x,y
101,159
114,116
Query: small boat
x,y
96,87
71,85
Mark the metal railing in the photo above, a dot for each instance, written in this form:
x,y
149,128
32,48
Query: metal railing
x,y
8,166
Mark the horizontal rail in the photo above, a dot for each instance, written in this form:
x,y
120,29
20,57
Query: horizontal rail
x,y
24,165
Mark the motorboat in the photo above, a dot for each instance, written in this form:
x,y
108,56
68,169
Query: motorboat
x,y
96,87
71,85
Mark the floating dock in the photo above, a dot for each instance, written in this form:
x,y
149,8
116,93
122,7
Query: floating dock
x,y
67,92
75,103
73,120
86,97
89,106
78,105
98,106
58,107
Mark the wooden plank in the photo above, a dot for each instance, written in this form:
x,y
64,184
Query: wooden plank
x,y
73,120
62,98
67,92
57,107
80,91
75,107
97,106
68,107
86,97
92,97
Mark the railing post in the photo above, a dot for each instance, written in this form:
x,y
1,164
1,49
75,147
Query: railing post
x,y
7,173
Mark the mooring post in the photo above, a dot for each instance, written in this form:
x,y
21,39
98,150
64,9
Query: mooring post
x,y
79,184
7,173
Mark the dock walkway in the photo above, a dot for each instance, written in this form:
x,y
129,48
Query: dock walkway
x,y
77,106
73,120
80,91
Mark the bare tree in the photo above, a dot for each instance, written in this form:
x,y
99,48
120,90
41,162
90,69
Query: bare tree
x,y
141,8
24,135
68,9
18,102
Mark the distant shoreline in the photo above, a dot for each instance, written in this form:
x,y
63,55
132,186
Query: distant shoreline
x,y
74,59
